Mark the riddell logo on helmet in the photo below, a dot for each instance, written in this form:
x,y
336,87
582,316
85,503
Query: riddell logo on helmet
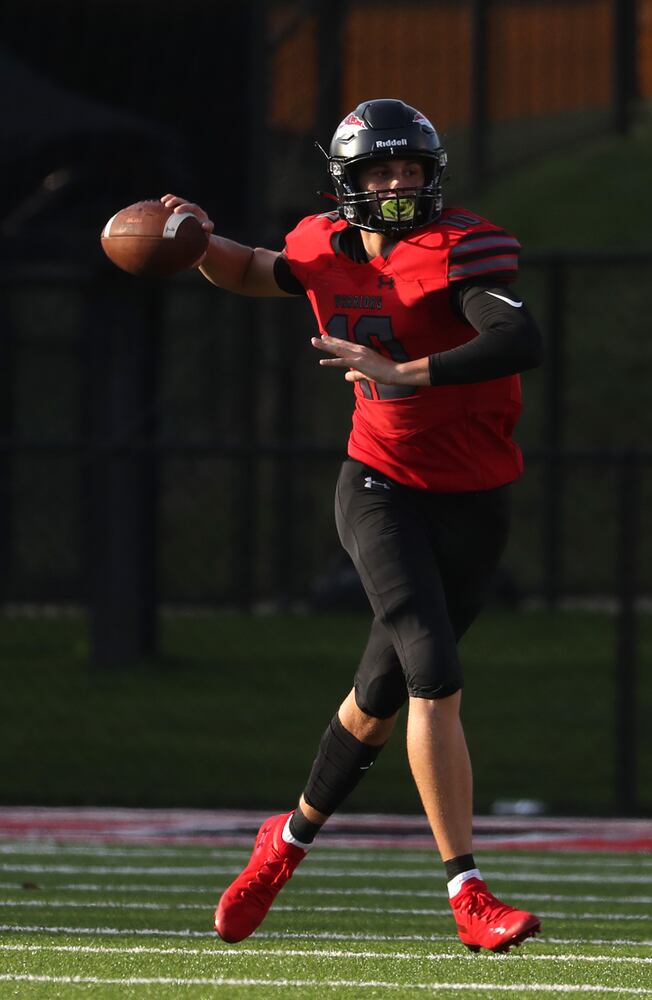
x,y
384,143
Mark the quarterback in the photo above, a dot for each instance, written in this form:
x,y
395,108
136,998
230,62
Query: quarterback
x,y
414,301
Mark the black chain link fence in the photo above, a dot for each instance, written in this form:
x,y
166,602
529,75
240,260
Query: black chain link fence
x,y
242,433
171,447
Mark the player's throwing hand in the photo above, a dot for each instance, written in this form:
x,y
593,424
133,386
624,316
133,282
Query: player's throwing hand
x,y
176,204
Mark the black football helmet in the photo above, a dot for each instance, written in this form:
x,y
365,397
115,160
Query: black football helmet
x,y
376,130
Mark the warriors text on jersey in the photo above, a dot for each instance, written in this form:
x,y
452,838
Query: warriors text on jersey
x,y
451,438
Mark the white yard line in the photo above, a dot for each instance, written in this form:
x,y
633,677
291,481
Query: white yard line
x,y
51,904
300,935
548,915
70,904
310,872
221,953
569,898
545,939
122,869
106,851
597,861
401,855
536,988
104,931
212,892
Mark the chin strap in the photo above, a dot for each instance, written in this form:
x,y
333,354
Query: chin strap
x,y
327,194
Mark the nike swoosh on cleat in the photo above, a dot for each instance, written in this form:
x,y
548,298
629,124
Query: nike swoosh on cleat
x,y
510,302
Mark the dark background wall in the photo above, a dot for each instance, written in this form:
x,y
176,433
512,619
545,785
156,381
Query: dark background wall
x,y
120,100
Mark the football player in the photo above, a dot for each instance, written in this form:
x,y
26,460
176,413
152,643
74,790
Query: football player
x,y
415,302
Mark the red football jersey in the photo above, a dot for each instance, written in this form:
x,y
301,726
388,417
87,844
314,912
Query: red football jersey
x,y
440,438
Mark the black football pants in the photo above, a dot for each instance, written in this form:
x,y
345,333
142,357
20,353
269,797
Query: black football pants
x,y
426,561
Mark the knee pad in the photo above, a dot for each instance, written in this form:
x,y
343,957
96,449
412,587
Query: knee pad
x,y
382,696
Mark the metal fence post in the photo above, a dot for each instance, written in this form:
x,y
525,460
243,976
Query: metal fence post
x,y
120,480
331,20
250,315
479,111
625,63
626,723
245,494
553,432
7,383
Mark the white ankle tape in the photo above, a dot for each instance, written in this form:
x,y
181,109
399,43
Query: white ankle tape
x,y
456,883
289,839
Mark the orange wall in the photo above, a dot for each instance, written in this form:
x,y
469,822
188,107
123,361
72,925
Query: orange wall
x,y
645,47
420,55
547,58
544,58
294,74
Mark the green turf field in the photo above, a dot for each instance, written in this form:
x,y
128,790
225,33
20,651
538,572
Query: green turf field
x,y
135,922
192,729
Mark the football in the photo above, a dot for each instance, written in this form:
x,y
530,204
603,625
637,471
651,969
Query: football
x,y
150,240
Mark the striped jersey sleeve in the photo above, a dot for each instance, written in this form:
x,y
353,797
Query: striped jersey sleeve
x,y
482,253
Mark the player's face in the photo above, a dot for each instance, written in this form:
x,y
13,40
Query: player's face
x,y
391,174
388,178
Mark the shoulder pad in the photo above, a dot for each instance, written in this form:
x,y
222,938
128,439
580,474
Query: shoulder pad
x,y
461,219
480,249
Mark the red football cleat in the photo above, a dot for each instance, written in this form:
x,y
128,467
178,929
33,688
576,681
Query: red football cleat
x,y
485,922
245,903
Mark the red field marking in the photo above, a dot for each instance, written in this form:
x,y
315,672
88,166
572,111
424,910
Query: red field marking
x,y
227,827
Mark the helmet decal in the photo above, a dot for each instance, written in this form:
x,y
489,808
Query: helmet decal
x,y
349,126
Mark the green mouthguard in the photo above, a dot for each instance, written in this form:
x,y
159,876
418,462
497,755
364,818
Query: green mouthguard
x,y
395,208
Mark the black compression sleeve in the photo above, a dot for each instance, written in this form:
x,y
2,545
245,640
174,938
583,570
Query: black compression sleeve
x,y
284,277
508,339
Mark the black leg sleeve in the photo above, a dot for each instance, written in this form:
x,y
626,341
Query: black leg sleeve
x,y
338,767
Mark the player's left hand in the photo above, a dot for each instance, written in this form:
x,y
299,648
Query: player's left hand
x,y
362,362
